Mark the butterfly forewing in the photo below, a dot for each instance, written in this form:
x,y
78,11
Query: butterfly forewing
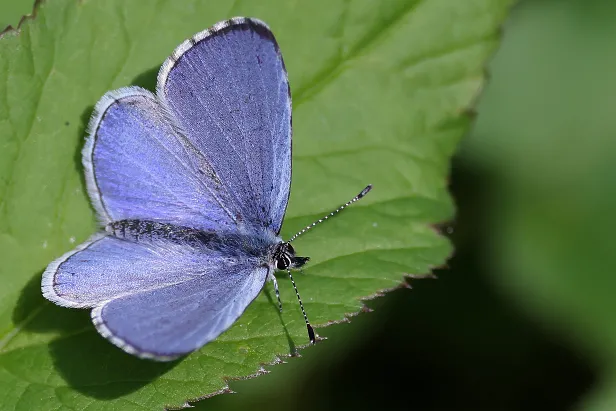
x,y
137,167
227,89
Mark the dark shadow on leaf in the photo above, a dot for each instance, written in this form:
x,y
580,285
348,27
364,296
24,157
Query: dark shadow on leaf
x,y
93,366
81,136
147,79
292,349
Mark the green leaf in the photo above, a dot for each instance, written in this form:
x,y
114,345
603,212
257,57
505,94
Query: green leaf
x,y
380,95
11,12
553,217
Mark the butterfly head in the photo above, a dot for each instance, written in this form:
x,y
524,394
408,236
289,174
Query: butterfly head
x,y
284,257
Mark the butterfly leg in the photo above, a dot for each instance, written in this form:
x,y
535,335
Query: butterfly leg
x,y
277,292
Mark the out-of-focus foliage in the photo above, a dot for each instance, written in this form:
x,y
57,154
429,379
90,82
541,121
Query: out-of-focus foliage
x,y
547,132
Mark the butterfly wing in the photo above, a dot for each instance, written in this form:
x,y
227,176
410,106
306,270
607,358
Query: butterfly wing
x,y
211,151
157,299
227,90
106,267
138,167
171,321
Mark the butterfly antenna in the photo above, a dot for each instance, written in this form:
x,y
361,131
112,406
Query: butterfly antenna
x,y
336,211
308,326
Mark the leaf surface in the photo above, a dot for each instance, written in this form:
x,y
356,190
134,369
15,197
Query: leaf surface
x,y
380,92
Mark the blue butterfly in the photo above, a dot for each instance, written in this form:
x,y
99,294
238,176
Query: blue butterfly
x,y
191,185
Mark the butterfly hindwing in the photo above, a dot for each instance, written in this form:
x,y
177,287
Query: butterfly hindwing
x,y
106,267
159,298
172,321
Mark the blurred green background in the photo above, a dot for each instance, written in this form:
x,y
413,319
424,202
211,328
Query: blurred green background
x,y
524,316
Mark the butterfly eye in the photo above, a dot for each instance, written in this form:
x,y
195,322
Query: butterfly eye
x,y
283,262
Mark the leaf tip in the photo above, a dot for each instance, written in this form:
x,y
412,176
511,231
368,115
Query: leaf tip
x,y
9,30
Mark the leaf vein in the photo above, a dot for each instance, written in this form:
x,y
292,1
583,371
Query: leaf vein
x,y
336,66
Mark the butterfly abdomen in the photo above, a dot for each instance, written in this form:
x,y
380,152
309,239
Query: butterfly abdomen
x,y
146,231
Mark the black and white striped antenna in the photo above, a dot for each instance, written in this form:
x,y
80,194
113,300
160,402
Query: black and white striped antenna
x,y
336,211
308,326
333,213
